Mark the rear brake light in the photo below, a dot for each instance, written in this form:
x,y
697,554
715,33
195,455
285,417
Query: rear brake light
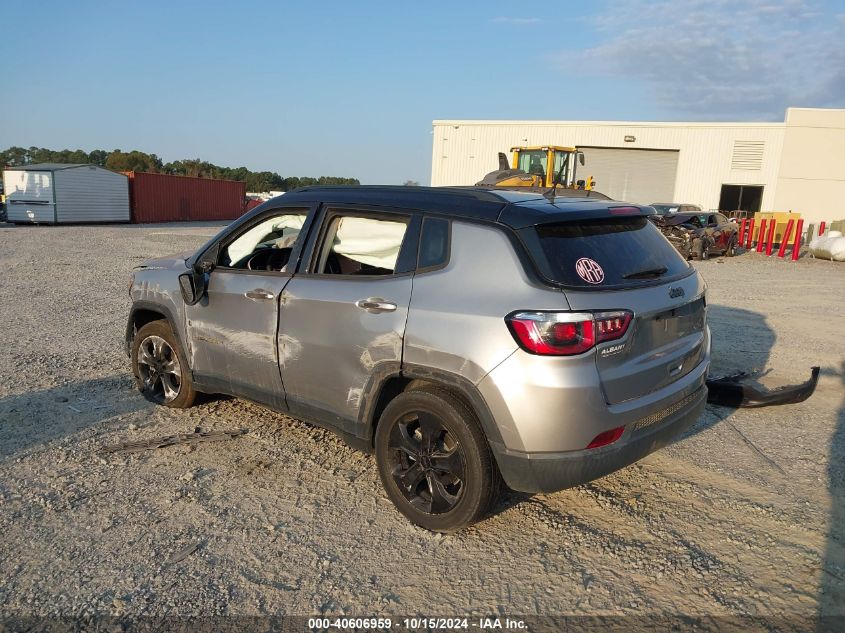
x,y
607,437
566,333
625,211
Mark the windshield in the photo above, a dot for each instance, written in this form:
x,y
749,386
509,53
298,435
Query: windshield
x,y
607,252
694,219
665,209
533,162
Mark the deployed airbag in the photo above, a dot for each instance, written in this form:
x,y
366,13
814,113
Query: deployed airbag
x,y
369,241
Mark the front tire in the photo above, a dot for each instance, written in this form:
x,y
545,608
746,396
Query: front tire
x,y
434,461
160,368
731,250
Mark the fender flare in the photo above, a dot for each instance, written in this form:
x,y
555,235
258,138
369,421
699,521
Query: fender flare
x,y
149,306
454,382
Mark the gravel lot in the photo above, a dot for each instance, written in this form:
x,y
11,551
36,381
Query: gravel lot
x,y
744,515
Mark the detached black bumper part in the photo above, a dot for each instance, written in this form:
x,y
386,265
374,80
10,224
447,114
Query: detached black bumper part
x,y
730,391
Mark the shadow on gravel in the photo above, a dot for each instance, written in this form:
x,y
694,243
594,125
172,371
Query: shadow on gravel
x,y
831,596
741,340
31,419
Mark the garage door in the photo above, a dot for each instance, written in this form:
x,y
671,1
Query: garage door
x,y
641,176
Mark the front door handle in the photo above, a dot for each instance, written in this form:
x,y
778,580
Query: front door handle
x,y
375,305
259,294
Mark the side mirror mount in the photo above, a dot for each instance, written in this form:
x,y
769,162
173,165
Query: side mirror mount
x,y
206,263
193,284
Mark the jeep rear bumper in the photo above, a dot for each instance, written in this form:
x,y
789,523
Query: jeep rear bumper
x,y
549,472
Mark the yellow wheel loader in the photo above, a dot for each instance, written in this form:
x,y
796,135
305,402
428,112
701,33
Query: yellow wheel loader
x,y
542,169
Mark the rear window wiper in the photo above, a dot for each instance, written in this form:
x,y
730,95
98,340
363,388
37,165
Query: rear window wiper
x,y
644,274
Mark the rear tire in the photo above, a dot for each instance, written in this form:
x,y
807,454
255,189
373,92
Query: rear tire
x,y
434,460
160,368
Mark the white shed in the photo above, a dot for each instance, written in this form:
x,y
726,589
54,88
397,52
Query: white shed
x,y
53,193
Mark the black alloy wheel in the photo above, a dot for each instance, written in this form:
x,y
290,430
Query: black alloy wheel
x,y
427,463
434,460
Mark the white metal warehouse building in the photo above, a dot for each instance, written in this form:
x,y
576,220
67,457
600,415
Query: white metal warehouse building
x,y
52,193
797,165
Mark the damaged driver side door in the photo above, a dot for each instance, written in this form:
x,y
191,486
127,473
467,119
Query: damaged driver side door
x,y
233,328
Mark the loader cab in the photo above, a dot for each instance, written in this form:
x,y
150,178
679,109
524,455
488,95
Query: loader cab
x,y
546,162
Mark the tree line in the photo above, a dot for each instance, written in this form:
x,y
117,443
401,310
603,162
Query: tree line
x,y
134,160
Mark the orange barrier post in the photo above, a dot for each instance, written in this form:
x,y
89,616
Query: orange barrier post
x,y
785,239
761,236
770,240
821,227
750,234
741,240
796,245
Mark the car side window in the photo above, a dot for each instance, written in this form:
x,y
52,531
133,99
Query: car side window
x,y
267,245
365,246
434,243
720,219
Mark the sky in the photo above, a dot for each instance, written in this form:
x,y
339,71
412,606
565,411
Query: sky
x,y
351,88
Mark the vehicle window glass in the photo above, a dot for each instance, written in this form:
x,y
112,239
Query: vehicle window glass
x,y
561,161
434,243
666,209
361,246
600,253
533,162
266,245
720,219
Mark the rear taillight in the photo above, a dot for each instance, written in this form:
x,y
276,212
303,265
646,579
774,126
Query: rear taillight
x,y
553,333
566,333
611,325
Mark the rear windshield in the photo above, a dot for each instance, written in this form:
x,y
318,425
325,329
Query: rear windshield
x,y
607,252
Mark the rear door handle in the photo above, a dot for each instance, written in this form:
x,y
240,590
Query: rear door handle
x,y
376,304
259,294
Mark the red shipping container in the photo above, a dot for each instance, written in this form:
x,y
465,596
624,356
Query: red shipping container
x,y
166,198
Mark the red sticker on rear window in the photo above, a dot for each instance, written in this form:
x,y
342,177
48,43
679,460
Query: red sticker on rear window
x,y
589,270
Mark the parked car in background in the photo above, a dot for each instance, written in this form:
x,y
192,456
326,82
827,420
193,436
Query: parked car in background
x,y
465,336
699,235
738,215
670,208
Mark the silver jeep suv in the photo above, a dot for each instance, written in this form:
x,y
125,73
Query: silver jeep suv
x,y
465,336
